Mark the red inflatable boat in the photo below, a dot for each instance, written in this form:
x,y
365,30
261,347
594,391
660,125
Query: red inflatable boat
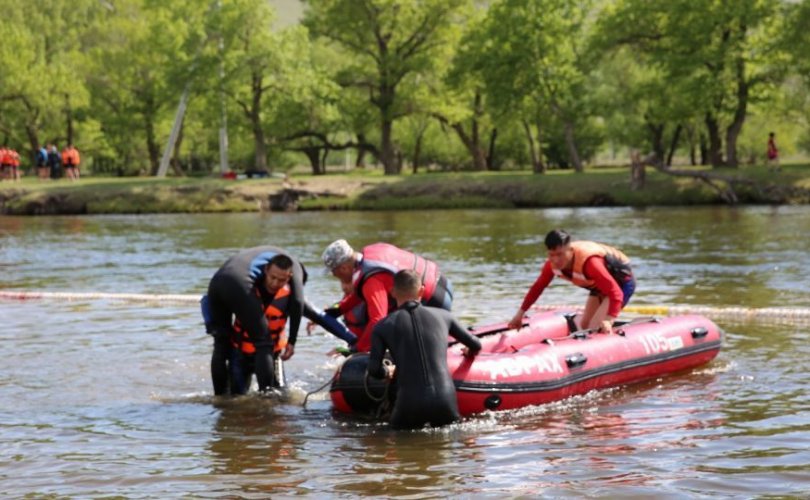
x,y
547,360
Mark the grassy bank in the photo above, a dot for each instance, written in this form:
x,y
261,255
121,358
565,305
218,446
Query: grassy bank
x,y
594,187
370,190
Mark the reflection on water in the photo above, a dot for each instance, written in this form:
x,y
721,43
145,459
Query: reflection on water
x,y
113,399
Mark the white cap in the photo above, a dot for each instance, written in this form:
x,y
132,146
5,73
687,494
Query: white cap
x,y
336,254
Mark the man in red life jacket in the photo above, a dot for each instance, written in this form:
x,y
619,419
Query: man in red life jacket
x,y
5,162
597,267
371,272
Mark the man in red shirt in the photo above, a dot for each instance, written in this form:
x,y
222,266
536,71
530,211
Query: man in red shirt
x,y
597,267
371,273
773,153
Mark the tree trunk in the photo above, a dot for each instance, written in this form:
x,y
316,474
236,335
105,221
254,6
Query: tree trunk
x,y
260,144
538,166
704,150
491,165
33,141
314,156
473,146
323,160
387,153
417,151
361,152
656,139
69,119
260,149
151,144
733,130
692,149
570,142
715,154
673,145
638,174
175,161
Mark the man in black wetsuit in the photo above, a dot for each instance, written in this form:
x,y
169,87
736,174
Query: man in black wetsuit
x,y
263,288
416,336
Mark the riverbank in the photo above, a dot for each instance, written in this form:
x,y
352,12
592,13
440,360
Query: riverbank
x,y
370,190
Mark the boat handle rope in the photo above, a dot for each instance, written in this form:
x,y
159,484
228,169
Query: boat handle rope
x,y
319,389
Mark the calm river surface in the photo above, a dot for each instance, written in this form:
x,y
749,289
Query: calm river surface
x,y
103,398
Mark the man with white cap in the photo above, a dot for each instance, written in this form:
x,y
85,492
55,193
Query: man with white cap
x,y
371,273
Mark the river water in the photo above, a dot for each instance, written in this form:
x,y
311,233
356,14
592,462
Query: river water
x,y
103,398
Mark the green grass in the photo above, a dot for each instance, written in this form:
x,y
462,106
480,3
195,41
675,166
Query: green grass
x,y
368,189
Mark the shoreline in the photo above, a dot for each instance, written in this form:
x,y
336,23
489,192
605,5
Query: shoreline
x,y
607,187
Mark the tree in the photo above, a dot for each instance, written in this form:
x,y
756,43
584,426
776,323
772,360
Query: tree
x,y
531,56
41,84
139,69
390,41
722,53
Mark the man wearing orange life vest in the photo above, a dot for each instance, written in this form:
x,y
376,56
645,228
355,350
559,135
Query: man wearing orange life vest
x,y
597,267
371,272
263,288
10,163
5,162
70,161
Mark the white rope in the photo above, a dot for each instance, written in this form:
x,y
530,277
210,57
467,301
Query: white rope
x,y
123,297
790,314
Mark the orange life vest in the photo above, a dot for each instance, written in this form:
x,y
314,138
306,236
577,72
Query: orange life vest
x,y
70,157
276,314
583,250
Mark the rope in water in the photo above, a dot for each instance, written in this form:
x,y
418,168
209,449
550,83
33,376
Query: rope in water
x,y
734,313
123,297
737,313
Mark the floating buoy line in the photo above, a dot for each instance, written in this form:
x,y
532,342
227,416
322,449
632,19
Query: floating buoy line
x,y
118,297
781,314
785,314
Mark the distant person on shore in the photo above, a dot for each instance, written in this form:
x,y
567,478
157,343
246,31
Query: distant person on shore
x,y
43,173
773,154
54,162
371,273
5,162
10,164
603,270
263,288
416,337
70,162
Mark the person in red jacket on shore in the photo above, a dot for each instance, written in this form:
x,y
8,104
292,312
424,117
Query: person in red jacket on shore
x,y
371,272
603,270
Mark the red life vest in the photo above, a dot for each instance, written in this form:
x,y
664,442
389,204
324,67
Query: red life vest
x,y
583,250
385,258
276,314
772,151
